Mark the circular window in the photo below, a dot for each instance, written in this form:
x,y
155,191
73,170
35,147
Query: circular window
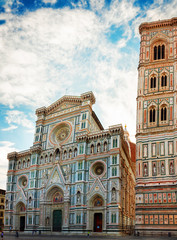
x,y
22,182
60,133
98,169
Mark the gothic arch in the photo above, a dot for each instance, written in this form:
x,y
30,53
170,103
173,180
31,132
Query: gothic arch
x,y
96,196
159,40
20,206
52,190
153,81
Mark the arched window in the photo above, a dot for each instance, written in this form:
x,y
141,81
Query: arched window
x,y
46,158
65,154
57,154
75,152
163,81
23,164
50,158
41,160
28,162
163,113
159,52
153,82
19,165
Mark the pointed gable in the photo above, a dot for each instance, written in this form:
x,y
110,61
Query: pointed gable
x,y
56,177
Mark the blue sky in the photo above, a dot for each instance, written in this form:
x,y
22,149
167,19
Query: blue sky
x,y
50,48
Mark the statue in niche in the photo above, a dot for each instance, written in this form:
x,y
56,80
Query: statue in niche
x,y
113,195
98,147
154,169
92,148
30,201
145,170
67,173
105,146
78,197
171,168
162,168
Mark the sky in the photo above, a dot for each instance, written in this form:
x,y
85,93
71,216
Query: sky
x,y
51,48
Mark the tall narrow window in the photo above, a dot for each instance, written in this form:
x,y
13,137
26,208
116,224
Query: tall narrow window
x,y
163,51
155,53
114,142
159,52
152,115
164,81
163,114
153,82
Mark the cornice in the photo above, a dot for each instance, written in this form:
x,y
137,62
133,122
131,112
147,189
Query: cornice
x,y
115,129
67,98
157,63
158,24
156,130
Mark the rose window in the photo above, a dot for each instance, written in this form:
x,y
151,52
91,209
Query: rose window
x,y
98,169
60,133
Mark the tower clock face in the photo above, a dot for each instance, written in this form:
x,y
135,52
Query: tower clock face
x,y
60,133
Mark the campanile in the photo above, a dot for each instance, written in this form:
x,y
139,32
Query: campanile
x,y
156,129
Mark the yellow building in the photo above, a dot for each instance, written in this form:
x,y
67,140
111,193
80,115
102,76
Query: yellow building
x,y
2,203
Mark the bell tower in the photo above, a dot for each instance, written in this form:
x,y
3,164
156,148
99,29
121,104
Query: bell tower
x,y
156,129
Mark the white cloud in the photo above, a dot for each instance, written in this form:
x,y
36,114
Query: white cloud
x,y
50,1
5,148
19,118
11,127
45,51
159,10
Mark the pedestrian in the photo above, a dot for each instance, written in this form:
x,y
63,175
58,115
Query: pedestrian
x,y
16,234
2,235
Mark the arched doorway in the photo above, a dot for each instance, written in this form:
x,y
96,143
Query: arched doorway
x,y
56,198
21,211
98,216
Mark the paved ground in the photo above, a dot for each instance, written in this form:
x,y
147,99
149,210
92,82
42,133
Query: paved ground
x,y
79,237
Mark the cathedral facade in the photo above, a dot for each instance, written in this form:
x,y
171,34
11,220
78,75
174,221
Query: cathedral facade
x,y
156,132
77,176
